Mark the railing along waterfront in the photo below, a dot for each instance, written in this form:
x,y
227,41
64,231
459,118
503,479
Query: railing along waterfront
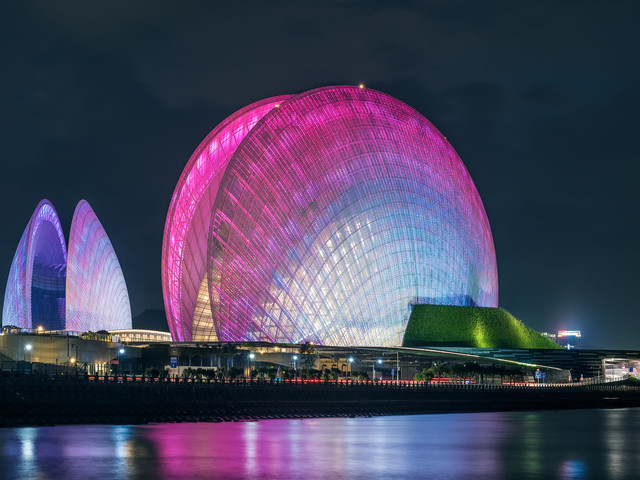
x,y
590,384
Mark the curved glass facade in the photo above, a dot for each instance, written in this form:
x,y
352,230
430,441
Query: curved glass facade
x,y
184,250
340,209
35,293
97,297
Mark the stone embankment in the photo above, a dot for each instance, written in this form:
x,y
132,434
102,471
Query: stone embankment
x,y
34,400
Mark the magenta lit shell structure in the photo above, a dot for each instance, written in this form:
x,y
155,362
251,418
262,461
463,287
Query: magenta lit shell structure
x,y
97,296
323,217
35,293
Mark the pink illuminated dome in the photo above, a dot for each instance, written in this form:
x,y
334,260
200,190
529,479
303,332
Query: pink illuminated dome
x,y
323,217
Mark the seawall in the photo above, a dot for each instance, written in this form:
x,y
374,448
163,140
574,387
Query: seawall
x,y
73,400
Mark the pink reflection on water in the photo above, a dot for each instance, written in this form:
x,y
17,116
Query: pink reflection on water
x,y
326,448
520,445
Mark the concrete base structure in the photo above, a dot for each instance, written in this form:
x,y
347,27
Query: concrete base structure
x,y
92,356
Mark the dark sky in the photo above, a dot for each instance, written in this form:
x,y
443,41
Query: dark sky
x,y
539,98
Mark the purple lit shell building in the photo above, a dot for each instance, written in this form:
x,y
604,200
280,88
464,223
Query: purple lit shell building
x,y
82,289
322,217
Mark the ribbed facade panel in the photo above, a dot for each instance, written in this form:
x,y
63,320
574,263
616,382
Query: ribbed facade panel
x,y
184,251
97,296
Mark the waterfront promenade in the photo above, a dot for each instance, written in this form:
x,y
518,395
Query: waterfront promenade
x,y
69,399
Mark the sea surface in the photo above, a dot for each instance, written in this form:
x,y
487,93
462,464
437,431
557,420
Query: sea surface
x,y
573,444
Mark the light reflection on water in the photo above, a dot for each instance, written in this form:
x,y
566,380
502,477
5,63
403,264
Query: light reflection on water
x,y
557,444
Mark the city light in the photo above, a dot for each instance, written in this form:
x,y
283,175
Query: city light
x,y
27,346
121,350
569,333
251,356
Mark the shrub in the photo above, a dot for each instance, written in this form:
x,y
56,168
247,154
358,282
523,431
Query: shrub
x,y
478,327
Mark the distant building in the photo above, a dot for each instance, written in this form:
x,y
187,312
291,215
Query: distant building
x,y
551,336
569,339
140,336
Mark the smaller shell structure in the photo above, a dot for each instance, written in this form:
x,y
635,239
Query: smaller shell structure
x,y
35,293
97,297
82,291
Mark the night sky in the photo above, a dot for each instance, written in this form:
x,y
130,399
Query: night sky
x,y
540,100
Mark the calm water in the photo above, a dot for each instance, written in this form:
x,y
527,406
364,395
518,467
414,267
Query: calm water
x,y
574,444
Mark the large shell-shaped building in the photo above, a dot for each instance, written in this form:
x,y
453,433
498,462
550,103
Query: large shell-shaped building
x,y
97,297
331,213
35,293
82,291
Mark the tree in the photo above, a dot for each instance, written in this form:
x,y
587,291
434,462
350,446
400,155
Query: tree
x,y
473,369
308,357
458,370
227,352
438,369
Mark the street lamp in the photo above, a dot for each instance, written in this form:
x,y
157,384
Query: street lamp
x,y
251,357
27,348
120,352
295,359
350,366
374,368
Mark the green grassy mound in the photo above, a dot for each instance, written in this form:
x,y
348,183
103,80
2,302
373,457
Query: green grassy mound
x,y
479,327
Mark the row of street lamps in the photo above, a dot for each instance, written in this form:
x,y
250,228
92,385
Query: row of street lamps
x,y
295,360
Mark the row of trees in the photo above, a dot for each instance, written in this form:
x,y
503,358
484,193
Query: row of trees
x,y
470,370
208,373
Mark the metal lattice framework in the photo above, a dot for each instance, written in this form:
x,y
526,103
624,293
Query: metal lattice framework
x,y
97,297
184,251
339,210
35,293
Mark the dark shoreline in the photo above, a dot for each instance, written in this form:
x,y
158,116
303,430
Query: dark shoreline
x,y
41,402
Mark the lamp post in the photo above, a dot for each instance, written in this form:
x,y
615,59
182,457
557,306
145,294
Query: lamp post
x,y
120,352
251,357
295,359
374,367
27,348
350,366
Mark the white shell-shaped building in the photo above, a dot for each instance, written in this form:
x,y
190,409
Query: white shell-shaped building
x,y
97,297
